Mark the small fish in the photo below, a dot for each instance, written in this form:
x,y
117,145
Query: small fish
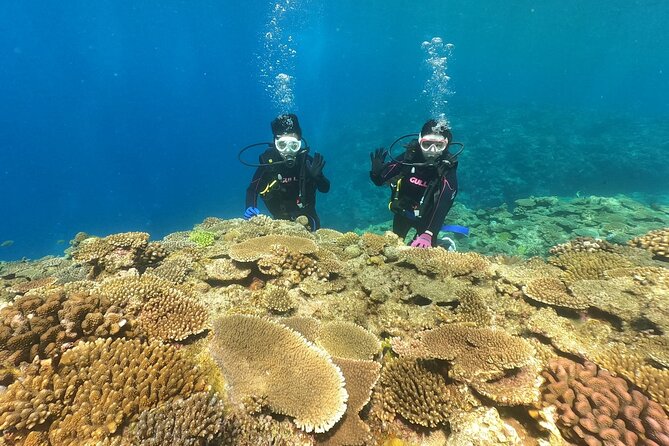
x,y
60,242
6,243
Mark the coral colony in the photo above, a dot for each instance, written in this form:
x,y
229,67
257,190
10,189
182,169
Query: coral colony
x,y
260,332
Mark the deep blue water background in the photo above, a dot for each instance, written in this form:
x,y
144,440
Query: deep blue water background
x,y
120,115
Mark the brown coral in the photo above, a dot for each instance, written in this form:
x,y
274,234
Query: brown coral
x,y
277,299
96,387
595,407
657,242
114,252
174,269
360,378
477,354
419,391
265,359
589,265
348,340
439,261
225,270
173,317
582,244
553,291
191,421
256,248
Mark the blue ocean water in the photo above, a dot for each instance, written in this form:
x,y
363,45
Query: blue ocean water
x,y
119,116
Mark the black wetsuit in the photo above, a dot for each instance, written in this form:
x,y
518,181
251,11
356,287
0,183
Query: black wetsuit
x,y
288,192
422,195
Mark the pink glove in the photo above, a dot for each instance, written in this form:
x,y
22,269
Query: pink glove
x,y
422,241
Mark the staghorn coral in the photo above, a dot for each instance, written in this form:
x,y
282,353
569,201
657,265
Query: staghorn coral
x,y
360,378
594,407
477,354
256,248
656,242
265,359
552,291
225,270
348,340
419,391
589,265
191,421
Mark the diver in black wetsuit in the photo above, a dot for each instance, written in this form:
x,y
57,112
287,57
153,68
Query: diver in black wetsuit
x,y
423,181
288,176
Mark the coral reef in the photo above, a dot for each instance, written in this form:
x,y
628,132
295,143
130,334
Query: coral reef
x,y
594,407
113,347
657,242
264,359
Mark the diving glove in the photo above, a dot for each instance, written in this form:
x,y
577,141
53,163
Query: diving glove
x,y
251,211
422,241
378,158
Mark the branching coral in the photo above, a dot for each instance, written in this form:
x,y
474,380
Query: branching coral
x,y
114,252
97,387
594,407
419,391
657,242
174,269
277,299
582,244
264,359
191,421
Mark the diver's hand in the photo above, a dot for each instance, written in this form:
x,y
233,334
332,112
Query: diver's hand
x,y
250,212
422,241
378,158
316,167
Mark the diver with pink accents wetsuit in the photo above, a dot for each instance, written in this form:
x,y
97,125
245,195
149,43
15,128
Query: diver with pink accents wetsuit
x,y
423,181
287,177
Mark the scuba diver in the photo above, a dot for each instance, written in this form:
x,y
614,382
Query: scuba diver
x,y
423,182
287,177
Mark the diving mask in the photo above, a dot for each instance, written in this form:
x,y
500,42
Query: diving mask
x,y
432,145
288,145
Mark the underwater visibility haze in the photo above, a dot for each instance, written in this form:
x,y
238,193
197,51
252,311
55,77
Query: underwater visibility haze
x,y
146,300
128,116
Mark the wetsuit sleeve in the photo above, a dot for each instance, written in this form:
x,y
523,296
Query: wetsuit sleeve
x,y
390,170
256,185
444,201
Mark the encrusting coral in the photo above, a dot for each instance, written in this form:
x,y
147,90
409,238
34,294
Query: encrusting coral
x,y
594,407
264,359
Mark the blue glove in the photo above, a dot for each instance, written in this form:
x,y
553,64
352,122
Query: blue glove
x,y
251,211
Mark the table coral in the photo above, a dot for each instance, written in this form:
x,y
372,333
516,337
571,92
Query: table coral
x,y
348,340
477,354
265,359
552,291
256,248
360,378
